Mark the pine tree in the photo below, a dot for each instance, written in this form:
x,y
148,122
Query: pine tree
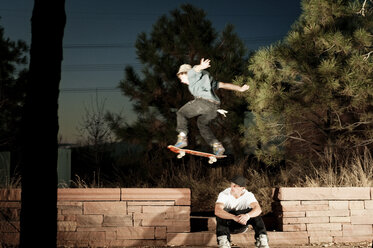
x,y
183,36
312,92
12,89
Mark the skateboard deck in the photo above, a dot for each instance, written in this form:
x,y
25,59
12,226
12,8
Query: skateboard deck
x,y
181,153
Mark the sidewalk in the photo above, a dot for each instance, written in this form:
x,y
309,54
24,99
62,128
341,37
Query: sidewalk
x,y
349,245
366,245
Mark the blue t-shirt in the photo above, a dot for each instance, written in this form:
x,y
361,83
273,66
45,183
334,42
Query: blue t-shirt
x,y
202,85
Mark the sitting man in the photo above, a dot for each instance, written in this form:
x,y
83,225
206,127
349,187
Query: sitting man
x,y
235,209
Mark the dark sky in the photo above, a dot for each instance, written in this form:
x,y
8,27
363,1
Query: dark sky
x,y
100,35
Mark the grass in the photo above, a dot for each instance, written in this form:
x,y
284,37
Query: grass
x,y
355,170
160,169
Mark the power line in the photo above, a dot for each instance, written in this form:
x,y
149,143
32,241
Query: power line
x,y
89,90
97,45
97,67
247,40
262,38
126,14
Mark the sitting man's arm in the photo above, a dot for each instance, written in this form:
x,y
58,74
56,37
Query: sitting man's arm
x,y
256,210
221,213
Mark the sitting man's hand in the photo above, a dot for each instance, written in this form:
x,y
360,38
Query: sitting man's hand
x,y
243,218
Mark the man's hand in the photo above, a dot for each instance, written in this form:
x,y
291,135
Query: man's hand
x,y
236,218
243,218
244,87
204,64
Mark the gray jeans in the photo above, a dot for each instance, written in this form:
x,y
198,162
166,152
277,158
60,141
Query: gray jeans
x,y
205,110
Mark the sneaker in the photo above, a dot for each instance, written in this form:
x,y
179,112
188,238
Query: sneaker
x,y
182,141
218,149
262,241
224,242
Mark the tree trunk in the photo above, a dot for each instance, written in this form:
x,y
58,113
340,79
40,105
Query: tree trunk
x,y
40,126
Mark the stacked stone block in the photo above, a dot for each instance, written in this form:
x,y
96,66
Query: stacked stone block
x,y
107,217
10,211
336,215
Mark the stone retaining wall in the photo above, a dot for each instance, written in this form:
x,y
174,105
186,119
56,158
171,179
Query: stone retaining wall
x,y
106,217
125,217
319,215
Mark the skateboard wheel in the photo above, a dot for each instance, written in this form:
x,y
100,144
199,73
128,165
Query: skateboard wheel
x,y
181,154
212,160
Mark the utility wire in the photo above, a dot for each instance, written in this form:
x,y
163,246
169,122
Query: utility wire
x,y
98,67
126,14
247,40
89,90
95,46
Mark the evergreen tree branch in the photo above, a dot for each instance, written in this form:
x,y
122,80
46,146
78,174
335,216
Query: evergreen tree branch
x,y
299,138
339,119
366,56
365,143
362,10
328,49
356,124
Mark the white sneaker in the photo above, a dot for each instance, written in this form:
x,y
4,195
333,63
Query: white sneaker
x,y
218,149
262,241
182,141
224,242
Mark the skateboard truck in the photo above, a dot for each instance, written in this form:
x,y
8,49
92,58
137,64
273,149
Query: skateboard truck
x,y
181,154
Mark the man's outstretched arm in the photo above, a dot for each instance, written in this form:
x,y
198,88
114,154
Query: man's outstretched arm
x,y
229,86
204,64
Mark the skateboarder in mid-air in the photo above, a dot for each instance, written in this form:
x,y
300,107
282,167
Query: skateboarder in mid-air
x,y
205,104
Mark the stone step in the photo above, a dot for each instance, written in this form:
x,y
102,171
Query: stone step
x,y
208,239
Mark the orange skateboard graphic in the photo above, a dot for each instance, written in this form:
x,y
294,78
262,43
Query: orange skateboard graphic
x,y
181,153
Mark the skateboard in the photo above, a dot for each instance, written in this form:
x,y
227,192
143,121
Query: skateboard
x,y
181,153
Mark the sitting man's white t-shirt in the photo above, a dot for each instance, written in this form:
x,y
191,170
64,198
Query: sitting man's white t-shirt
x,y
231,203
